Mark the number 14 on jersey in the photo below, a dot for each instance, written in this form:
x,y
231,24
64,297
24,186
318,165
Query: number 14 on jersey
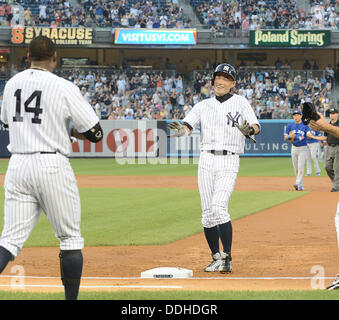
x,y
36,110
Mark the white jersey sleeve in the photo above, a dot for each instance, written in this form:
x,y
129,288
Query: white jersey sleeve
x,y
81,112
193,118
248,113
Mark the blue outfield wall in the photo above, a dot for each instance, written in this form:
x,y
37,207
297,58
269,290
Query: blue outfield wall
x,y
270,141
131,138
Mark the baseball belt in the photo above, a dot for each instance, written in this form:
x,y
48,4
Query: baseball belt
x,y
220,152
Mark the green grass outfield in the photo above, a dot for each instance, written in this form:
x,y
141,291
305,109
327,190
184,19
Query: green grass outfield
x,y
146,216
275,167
180,295
165,214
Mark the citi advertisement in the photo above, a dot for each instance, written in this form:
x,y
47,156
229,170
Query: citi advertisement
x,y
124,139
156,37
127,140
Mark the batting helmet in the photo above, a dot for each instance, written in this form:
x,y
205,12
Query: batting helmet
x,y
226,69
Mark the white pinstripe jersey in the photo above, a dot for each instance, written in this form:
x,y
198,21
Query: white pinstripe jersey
x,y
38,107
216,121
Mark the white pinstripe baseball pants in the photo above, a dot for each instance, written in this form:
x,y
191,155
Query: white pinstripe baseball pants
x,y
35,183
217,175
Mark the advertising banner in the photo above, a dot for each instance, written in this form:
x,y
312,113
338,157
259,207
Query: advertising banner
x,y
61,36
150,139
130,138
156,36
290,38
270,141
124,138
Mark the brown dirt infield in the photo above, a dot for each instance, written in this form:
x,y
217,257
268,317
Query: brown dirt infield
x,y
272,250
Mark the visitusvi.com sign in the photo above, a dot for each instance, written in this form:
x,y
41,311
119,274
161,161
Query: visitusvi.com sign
x,y
290,38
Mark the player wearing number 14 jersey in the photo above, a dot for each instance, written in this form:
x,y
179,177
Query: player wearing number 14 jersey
x,y
42,111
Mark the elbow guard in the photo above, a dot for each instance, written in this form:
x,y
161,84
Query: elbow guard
x,y
95,134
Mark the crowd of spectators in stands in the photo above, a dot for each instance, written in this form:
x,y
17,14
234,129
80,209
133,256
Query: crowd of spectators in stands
x,y
151,95
244,15
156,95
137,14
54,13
6,14
324,14
102,13
233,16
275,94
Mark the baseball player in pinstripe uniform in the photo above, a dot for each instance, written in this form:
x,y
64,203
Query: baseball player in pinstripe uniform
x,y
225,120
42,111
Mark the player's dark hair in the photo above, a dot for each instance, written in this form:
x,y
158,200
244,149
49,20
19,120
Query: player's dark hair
x,y
41,48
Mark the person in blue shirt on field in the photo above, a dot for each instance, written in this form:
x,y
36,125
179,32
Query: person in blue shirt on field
x,y
313,152
297,133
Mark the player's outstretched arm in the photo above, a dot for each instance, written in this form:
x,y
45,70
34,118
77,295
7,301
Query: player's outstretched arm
x,y
323,125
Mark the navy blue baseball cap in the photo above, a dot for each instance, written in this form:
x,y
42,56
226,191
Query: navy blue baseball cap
x,y
296,112
226,69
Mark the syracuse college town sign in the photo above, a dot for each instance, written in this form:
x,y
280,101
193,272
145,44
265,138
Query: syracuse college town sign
x,y
61,36
290,38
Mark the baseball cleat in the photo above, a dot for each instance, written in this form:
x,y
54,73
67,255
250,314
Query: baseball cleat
x,y
226,266
335,284
318,174
308,175
300,188
215,264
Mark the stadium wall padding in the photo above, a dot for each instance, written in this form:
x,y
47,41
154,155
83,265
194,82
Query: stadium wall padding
x,y
149,138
